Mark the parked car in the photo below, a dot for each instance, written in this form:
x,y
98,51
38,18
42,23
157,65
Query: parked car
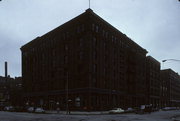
x,y
116,111
138,110
169,108
30,109
39,110
129,110
9,108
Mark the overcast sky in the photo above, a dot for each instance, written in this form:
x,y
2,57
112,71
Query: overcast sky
x,y
153,24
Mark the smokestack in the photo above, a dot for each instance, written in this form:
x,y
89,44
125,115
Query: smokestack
x,y
6,73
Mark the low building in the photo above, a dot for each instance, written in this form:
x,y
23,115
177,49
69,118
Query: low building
x,y
170,95
10,91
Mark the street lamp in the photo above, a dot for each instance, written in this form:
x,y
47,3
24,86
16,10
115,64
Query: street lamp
x,y
170,60
176,60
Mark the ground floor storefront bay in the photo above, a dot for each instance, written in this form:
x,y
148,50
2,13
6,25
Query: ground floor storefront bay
x,y
83,99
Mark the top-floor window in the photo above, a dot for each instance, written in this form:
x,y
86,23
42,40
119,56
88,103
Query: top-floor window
x,y
80,28
95,27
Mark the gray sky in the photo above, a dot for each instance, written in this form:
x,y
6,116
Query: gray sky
x,y
153,24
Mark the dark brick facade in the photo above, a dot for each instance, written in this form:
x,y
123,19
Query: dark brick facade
x,y
10,91
91,63
153,81
170,90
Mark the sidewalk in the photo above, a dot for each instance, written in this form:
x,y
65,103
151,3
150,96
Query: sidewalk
x,y
176,119
78,112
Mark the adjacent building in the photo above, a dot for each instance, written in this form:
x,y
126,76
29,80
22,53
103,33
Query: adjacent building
x,y
85,64
170,88
10,91
153,81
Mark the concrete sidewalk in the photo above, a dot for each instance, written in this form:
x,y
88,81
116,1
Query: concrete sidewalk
x,y
176,119
78,112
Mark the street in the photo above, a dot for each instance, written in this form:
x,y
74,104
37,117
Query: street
x,y
155,116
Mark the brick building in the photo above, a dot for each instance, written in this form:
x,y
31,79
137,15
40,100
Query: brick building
x,y
86,61
170,91
153,81
10,91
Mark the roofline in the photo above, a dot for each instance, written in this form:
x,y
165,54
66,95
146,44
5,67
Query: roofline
x,y
91,11
88,11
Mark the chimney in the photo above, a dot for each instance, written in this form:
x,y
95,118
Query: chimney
x,y
6,70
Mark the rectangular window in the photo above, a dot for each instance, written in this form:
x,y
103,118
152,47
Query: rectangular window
x,y
95,68
80,55
82,27
66,47
104,70
94,41
53,52
64,36
67,34
97,28
66,59
78,29
93,27
94,54
104,33
81,42
112,39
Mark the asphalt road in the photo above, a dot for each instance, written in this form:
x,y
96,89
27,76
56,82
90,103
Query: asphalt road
x,y
155,116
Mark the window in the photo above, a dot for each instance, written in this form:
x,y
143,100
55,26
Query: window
x,y
81,42
80,55
112,38
64,36
78,29
104,33
82,27
97,28
67,34
115,40
105,71
94,83
94,41
94,68
93,27
105,46
53,52
66,59
94,54
66,47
